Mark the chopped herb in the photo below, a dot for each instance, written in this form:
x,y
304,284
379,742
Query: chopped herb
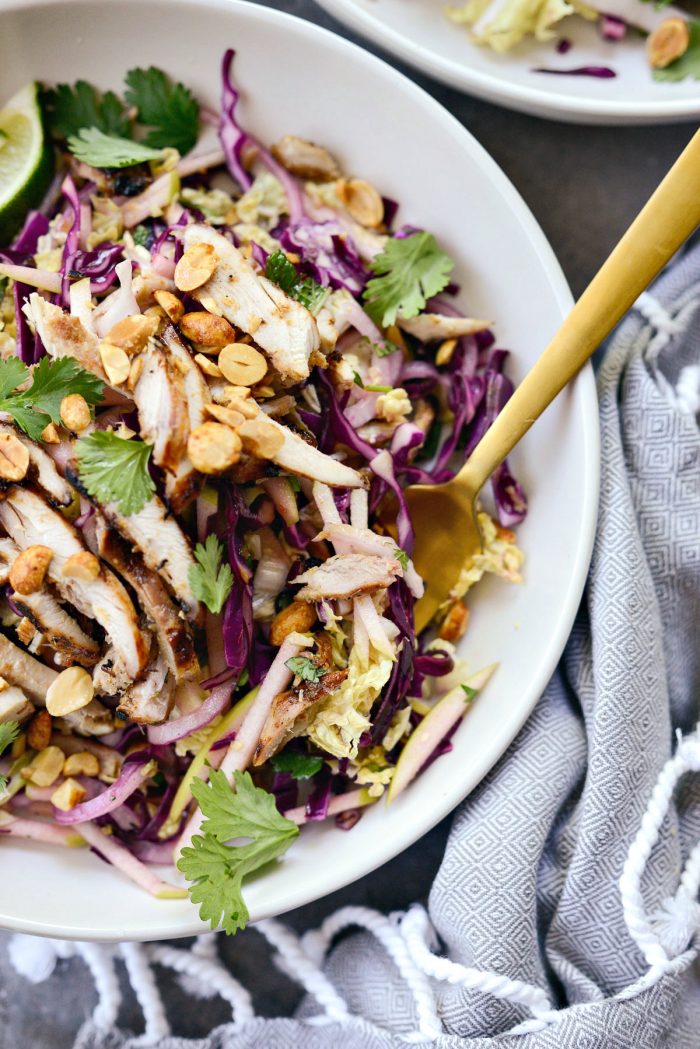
x,y
168,108
141,236
216,870
402,557
9,731
52,380
470,693
98,150
378,389
382,349
305,290
688,65
408,271
299,766
305,668
70,109
357,379
211,581
115,470
294,482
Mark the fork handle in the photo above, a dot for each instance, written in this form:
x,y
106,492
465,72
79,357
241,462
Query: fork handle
x,y
668,218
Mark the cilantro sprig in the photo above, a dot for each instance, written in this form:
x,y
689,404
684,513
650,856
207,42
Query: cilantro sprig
x,y
408,272
211,581
305,668
69,108
216,870
9,731
115,470
52,380
169,109
298,765
305,290
98,150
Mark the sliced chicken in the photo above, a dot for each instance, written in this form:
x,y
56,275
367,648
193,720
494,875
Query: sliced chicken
x,y
14,705
281,326
92,720
42,469
174,636
185,483
19,668
110,677
305,159
163,545
29,521
161,401
432,326
66,336
349,540
292,711
59,629
347,575
295,454
335,317
149,700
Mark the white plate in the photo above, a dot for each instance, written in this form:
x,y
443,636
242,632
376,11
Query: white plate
x,y
419,32
296,77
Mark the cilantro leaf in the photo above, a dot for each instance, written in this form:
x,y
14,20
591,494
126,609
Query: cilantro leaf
x,y
305,668
98,150
688,65
409,271
169,109
71,108
114,470
211,581
299,766
9,731
52,380
382,349
470,693
305,290
141,236
216,870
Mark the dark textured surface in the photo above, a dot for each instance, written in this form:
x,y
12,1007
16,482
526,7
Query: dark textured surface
x,y
583,185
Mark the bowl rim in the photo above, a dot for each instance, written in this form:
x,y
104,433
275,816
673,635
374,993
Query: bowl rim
x,y
492,88
180,922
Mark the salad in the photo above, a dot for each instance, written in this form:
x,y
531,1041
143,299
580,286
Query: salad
x,y
220,366
672,33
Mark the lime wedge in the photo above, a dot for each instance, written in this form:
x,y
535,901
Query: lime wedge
x,y
26,159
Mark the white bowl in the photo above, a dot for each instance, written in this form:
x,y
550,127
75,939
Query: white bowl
x,y
295,77
419,32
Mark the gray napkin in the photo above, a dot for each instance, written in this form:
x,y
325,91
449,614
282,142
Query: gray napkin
x,y
530,929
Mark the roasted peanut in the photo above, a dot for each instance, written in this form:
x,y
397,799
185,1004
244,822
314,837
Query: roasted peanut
x,y
14,458
445,351
132,333
210,305
71,690
248,408
83,565
213,448
668,42
134,372
260,437
115,363
45,767
49,435
39,730
207,366
207,330
455,622
28,571
75,412
305,159
362,201
227,416
68,795
242,365
171,304
298,617
81,764
195,267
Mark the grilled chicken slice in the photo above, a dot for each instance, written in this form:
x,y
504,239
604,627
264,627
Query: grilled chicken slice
x,y
110,677
19,668
347,575
149,700
28,520
292,711
432,326
66,336
161,401
185,483
174,636
42,469
14,705
296,455
159,538
281,326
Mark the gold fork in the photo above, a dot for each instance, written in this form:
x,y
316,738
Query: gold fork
x,y
444,516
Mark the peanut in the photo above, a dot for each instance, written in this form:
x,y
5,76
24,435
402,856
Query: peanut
x,y
68,795
75,412
81,764
25,630
14,458
71,690
455,622
445,351
39,730
134,372
132,333
195,267
207,366
362,201
171,304
242,365
207,330
115,363
49,435
248,408
212,448
260,437
668,42
83,565
45,767
227,416
28,571
297,617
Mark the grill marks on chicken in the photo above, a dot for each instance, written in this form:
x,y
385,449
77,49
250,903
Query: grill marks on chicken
x,y
42,469
292,711
66,336
347,575
184,483
160,398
